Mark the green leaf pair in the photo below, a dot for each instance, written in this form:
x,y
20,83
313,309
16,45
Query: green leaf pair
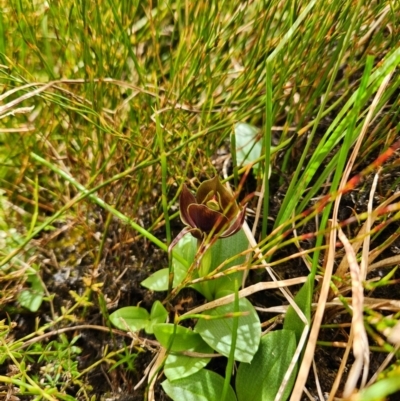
x,y
135,318
223,251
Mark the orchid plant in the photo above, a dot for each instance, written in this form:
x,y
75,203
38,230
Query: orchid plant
x,y
216,251
211,216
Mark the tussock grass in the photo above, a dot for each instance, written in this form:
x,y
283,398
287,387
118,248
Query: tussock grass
x,y
106,110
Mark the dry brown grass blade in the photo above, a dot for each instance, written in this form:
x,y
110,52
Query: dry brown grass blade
x,y
368,226
284,291
392,261
161,355
360,338
293,362
4,110
317,382
342,366
246,292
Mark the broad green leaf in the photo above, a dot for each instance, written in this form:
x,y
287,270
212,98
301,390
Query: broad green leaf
x,y
32,298
248,144
186,248
180,337
221,251
381,389
132,318
267,369
201,386
179,366
217,333
158,315
303,301
158,281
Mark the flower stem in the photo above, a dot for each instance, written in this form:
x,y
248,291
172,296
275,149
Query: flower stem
x,y
231,359
204,268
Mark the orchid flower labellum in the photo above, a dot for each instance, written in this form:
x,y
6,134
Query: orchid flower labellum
x,y
213,210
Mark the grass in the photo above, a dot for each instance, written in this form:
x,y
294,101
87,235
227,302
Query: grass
x,y
108,108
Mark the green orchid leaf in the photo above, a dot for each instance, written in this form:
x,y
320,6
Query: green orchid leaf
x,y
248,144
201,386
186,248
158,315
180,366
303,300
217,333
381,389
158,281
267,369
133,318
176,338
223,250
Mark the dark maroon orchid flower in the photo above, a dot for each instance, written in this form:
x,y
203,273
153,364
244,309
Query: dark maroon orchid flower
x,y
213,209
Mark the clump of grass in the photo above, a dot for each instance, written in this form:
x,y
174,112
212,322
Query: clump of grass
x,y
107,109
